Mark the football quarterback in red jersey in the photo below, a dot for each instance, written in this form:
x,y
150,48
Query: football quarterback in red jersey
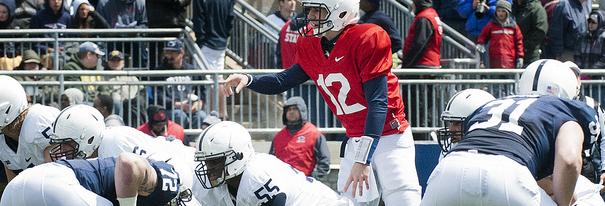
x,y
351,65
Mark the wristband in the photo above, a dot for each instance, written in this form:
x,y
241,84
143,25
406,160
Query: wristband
x,y
249,79
364,144
128,201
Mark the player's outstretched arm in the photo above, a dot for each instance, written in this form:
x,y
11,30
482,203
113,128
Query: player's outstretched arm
x,y
133,176
275,83
568,162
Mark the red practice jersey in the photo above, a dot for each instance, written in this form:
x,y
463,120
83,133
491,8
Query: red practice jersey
x,y
361,53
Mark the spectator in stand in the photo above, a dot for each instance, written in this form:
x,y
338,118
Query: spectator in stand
x,y
86,17
164,14
212,24
104,103
7,13
167,13
532,20
505,39
372,14
53,16
160,125
300,143
121,93
449,15
477,14
180,100
86,59
286,44
129,14
285,11
70,97
123,13
36,94
422,48
590,51
25,10
568,22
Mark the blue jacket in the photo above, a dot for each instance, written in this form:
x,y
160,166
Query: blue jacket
x,y
47,19
567,24
213,22
475,24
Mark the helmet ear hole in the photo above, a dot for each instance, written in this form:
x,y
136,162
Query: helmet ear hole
x,y
342,14
91,139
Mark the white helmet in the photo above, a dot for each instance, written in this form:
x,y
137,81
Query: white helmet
x,y
77,132
340,13
460,106
13,100
549,77
223,151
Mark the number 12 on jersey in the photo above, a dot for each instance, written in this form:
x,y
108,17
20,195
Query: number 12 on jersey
x,y
498,108
340,103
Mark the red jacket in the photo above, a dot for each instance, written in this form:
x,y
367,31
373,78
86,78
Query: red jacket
x,y
287,42
431,56
172,130
505,44
297,149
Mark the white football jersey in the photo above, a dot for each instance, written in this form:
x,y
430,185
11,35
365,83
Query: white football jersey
x,y
265,178
120,139
33,139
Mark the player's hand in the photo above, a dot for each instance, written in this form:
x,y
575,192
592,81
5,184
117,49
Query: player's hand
x,y
239,81
358,176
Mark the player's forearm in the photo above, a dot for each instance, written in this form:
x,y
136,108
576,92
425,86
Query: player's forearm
x,y
376,95
278,82
568,161
564,181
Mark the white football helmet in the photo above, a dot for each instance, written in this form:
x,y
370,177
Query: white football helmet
x,y
460,106
340,13
13,100
549,77
223,151
77,132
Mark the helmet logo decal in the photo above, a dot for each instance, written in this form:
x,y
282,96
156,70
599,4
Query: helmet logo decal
x,y
537,75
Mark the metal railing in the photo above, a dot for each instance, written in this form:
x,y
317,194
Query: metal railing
x,y
253,40
424,97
